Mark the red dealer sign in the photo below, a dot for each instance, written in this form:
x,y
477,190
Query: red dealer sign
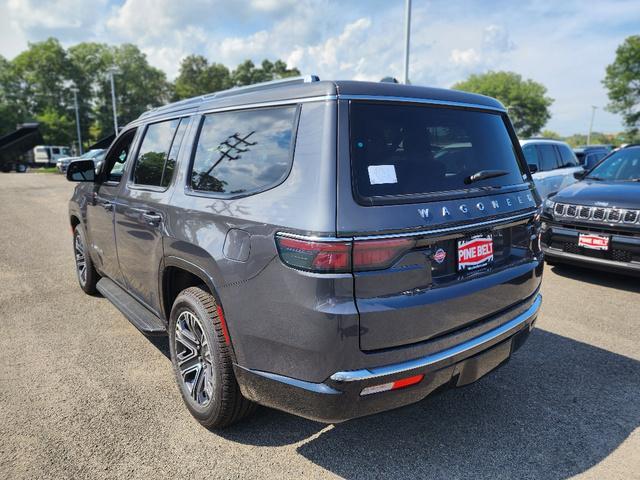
x,y
475,253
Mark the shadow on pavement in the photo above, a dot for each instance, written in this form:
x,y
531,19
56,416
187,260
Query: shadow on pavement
x,y
598,277
556,409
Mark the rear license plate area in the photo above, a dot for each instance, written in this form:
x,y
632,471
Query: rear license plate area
x,y
475,253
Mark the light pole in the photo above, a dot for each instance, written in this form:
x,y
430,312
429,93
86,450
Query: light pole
x,y
593,114
75,91
407,34
111,71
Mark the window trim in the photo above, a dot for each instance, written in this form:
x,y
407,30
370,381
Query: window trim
x,y
131,185
471,192
188,190
104,176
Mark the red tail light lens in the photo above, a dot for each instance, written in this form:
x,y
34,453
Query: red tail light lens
x,y
315,256
339,257
378,254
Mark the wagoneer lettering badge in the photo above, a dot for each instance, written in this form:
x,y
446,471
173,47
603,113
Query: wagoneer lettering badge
x,y
484,207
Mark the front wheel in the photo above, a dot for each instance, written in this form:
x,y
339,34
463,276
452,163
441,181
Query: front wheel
x,y
86,272
202,362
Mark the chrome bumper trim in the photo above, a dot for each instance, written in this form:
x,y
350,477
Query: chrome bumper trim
x,y
399,368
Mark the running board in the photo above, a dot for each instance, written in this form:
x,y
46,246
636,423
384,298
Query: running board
x,y
132,309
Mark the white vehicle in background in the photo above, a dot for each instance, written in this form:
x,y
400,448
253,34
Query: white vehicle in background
x,y
48,155
552,164
95,155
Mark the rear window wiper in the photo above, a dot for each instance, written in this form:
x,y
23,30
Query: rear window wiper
x,y
484,174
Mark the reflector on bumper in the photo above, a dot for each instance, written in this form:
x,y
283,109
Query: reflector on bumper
x,y
404,382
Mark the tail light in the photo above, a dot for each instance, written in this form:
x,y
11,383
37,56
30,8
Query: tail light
x,y
378,254
341,257
315,256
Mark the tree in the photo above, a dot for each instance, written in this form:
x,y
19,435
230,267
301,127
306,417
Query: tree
x,y
197,77
247,73
526,100
551,134
622,81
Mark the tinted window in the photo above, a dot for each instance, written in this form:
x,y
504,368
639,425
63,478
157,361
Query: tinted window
x,y
55,150
548,157
170,164
243,152
531,155
118,155
567,158
401,149
153,153
623,165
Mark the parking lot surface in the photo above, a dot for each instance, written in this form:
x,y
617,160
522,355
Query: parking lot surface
x,y
84,395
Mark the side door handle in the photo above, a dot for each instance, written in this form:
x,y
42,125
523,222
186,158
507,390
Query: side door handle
x,y
152,218
108,206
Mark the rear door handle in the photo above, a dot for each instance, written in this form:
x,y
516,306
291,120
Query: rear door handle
x,y
152,218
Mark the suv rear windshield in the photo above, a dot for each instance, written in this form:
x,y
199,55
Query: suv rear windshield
x,y
400,149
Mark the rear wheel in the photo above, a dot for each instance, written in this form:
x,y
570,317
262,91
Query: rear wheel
x,y
202,361
86,272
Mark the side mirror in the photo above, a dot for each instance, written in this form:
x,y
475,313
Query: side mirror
x,y
579,175
533,168
81,171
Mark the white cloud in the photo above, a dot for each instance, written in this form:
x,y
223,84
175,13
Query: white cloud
x,y
468,58
566,46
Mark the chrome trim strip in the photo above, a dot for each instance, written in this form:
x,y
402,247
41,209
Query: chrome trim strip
x,y
399,368
313,238
387,98
274,103
437,231
294,382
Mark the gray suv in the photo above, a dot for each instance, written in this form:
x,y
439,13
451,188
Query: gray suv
x,y
330,249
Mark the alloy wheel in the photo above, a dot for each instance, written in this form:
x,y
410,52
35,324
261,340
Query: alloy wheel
x,y
194,358
81,261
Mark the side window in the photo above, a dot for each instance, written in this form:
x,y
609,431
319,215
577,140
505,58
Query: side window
x,y
548,157
567,157
118,155
56,150
243,151
153,153
170,164
530,155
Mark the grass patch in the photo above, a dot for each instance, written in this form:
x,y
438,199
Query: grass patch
x,y
45,170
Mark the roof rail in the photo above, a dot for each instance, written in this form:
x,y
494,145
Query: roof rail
x,y
232,91
265,85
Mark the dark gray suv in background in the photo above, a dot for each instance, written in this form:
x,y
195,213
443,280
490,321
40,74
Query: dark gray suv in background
x,y
330,249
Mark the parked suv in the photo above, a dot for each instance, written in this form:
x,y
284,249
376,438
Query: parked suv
x,y
330,249
596,222
552,164
590,155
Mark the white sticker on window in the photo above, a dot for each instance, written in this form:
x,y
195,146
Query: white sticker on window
x,y
382,174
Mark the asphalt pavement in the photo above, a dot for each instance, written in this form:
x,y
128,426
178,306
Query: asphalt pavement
x,y
84,395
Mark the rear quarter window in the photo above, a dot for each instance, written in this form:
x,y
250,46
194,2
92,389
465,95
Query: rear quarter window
x,y
416,150
243,152
548,157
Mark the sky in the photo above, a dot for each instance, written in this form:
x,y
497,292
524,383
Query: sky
x,y
565,44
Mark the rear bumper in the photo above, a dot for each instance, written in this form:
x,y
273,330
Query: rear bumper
x,y
338,398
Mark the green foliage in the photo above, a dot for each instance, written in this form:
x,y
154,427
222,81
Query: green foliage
x,y
197,77
60,128
247,73
525,100
551,134
622,81
36,85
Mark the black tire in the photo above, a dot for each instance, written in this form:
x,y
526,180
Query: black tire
x,y
90,278
211,393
